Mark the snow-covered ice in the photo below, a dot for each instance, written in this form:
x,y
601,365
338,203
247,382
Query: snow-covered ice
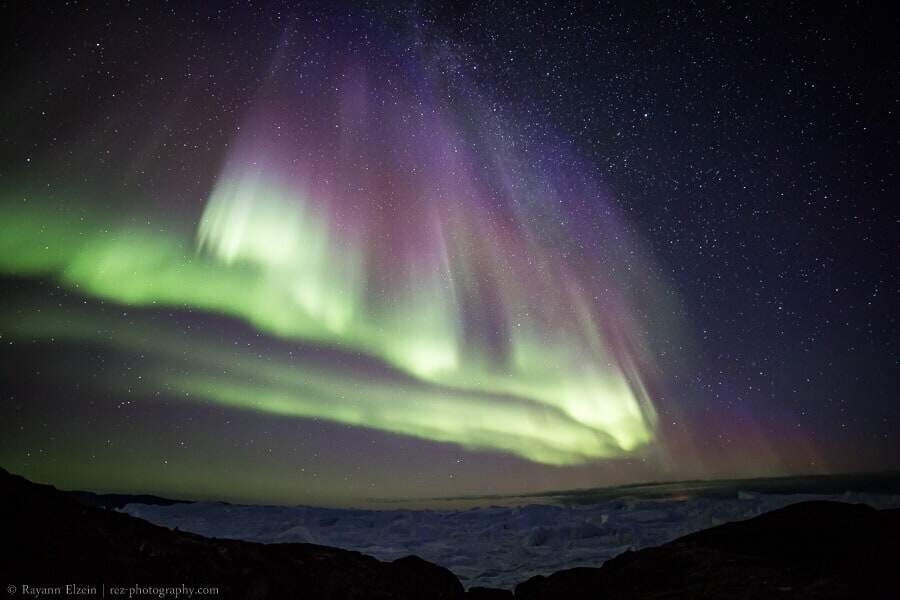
x,y
491,546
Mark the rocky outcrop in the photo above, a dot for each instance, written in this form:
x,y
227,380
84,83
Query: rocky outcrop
x,y
50,539
806,550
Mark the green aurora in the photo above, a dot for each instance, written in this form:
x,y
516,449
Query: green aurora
x,y
263,255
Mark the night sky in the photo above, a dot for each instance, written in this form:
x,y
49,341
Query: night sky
x,y
333,253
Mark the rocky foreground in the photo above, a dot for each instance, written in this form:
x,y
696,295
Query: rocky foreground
x,y
807,550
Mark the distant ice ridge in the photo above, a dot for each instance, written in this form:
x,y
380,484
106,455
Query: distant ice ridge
x,y
493,546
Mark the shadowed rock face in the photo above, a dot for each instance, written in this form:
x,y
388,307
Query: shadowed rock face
x,y
50,539
485,593
807,550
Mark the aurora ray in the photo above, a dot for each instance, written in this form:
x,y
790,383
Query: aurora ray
x,y
383,231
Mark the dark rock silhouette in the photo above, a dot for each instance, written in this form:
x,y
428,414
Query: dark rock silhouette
x,y
486,593
809,550
806,550
50,539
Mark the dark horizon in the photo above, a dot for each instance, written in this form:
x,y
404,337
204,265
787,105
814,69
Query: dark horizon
x,y
881,482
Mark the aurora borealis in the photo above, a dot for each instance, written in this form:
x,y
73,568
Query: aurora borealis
x,y
350,256
498,343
